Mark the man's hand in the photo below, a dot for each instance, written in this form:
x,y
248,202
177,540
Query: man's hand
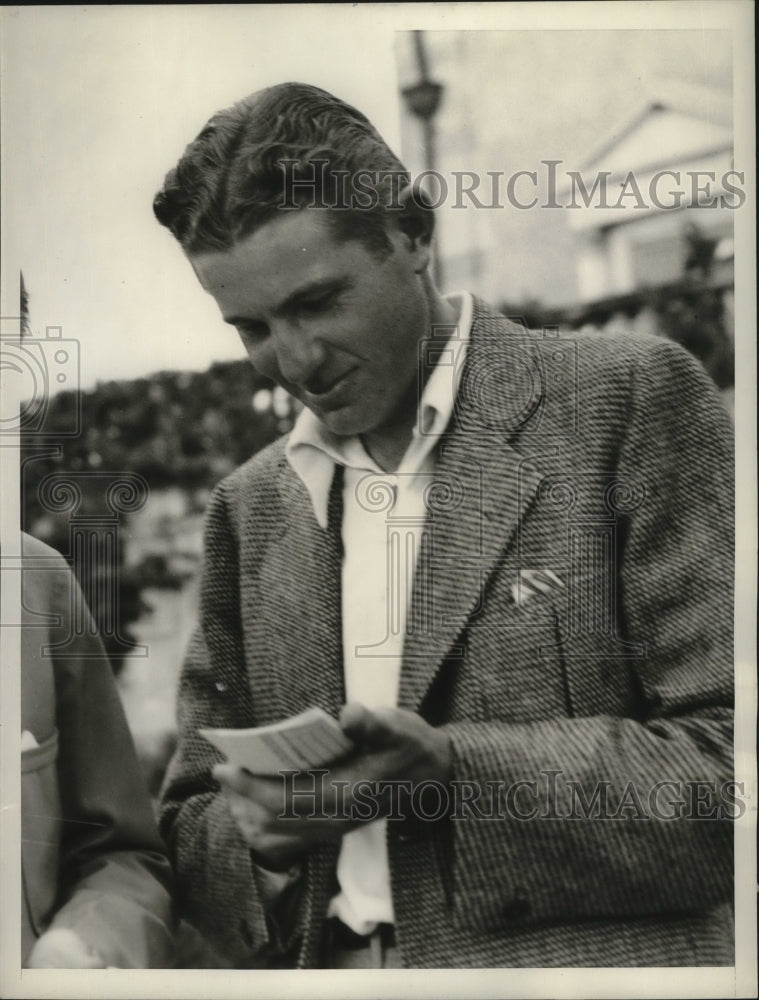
x,y
62,948
397,745
281,818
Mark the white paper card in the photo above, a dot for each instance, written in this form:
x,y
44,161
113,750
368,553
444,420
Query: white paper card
x,y
311,739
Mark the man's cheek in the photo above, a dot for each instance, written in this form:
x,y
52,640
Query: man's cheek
x,y
264,360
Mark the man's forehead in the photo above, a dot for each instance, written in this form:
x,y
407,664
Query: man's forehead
x,y
285,254
288,236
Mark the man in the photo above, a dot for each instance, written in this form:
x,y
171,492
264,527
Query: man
x,y
510,556
96,881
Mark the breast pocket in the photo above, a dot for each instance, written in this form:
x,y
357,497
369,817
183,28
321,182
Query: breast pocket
x,y
598,662
514,659
41,826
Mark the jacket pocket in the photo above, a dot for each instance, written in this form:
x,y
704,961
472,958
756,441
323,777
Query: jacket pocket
x,y
41,825
516,664
596,660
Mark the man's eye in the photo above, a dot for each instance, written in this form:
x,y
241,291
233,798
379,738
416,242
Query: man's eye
x,y
255,332
317,305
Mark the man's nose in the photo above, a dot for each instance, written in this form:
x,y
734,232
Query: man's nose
x,y
299,352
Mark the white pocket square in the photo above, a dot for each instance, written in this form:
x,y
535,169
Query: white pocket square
x,y
533,581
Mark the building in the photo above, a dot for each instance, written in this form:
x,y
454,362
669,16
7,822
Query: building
x,y
549,111
658,192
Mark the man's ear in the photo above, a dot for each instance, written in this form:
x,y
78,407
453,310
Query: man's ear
x,y
416,220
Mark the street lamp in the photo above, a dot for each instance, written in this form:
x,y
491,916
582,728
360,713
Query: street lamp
x,y
423,99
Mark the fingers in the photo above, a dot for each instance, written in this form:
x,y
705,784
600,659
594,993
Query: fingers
x,y
397,744
259,826
370,728
279,835
265,791
233,777
393,746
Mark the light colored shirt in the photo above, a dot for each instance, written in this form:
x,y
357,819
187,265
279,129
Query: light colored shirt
x,y
383,518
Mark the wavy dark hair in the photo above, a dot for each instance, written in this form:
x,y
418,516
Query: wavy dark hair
x,y
231,179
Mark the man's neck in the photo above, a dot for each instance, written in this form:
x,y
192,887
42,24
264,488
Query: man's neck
x,y
388,445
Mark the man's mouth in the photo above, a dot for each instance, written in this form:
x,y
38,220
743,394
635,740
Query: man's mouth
x,y
329,393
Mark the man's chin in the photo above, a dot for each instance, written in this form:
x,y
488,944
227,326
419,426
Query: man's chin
x,y
342,423
346,421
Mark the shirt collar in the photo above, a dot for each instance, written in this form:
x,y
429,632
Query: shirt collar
x,y
439,394
313,450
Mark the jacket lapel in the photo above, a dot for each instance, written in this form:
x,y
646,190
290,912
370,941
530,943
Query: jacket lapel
x,y
303,602
484,487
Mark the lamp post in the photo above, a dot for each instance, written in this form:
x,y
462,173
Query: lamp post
x,y
422,100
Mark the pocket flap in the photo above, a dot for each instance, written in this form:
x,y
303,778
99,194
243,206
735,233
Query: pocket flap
x,y
41,823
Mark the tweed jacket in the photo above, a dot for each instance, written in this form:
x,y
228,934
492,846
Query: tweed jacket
x,y
606,461
92,859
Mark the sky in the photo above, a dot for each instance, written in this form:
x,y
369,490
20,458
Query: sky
x,y
99,102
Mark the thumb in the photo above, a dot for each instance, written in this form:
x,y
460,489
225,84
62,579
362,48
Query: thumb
x,y
364,726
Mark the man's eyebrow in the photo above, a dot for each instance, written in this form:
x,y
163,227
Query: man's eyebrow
x,y
335,282
311,288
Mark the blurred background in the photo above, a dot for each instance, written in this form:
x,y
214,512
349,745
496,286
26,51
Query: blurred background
x,y
142,378
588,103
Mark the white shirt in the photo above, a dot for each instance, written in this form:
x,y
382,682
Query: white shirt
x,y
383,518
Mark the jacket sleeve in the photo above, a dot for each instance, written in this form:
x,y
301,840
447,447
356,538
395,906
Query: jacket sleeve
x,y
219,889
641,852
115,879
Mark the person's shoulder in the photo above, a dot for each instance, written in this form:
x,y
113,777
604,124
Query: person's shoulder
x,y
33,549
46,578
603,376
629,348
253,484
615,346
645,363
606,358
259,469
